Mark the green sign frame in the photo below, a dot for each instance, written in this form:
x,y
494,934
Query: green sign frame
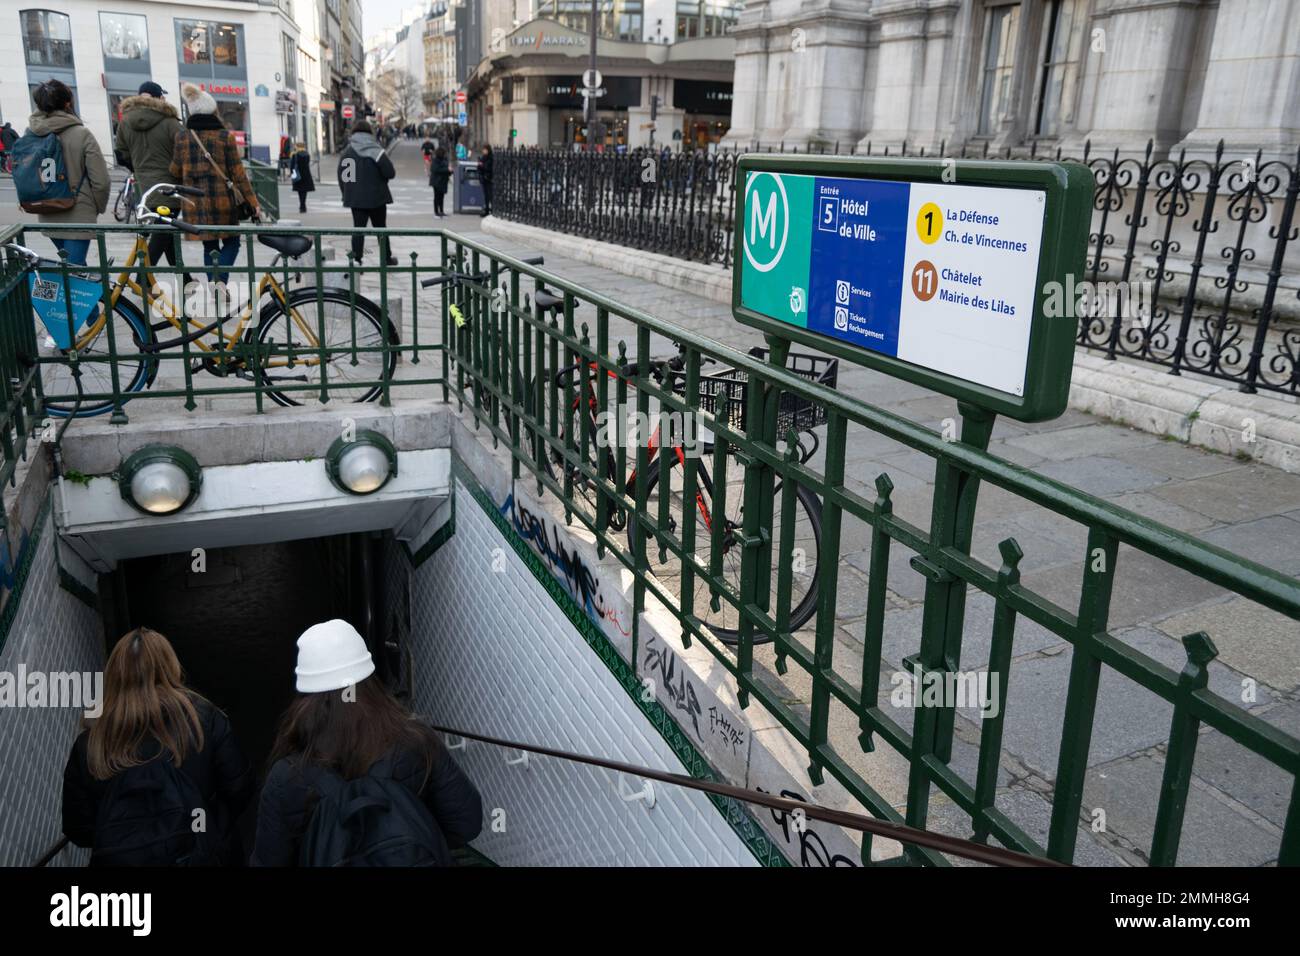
x,y
1067,222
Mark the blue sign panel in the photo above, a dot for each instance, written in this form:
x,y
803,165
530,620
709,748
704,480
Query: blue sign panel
x,y
940,276
856,280
50,304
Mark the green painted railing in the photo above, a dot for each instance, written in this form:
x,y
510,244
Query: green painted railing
x,y
20,381
508,346
338,348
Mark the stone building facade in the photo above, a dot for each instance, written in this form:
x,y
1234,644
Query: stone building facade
x,y
1011,73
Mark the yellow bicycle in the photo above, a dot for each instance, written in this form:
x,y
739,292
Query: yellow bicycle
x,y
306,334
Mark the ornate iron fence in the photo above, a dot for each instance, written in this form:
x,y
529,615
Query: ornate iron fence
x,y
1193,262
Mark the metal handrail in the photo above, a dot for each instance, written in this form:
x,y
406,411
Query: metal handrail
x,y
956,846
52,852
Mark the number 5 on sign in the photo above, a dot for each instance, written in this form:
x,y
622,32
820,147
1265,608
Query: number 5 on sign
x,y
929,222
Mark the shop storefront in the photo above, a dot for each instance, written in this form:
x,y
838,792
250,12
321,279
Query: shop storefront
x,y
211,55
562,95
706,111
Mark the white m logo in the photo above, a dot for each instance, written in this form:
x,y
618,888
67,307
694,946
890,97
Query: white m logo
x,y
760,221
769,218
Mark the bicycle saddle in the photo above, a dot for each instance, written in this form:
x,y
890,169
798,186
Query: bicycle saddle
x,y
544,300
286,243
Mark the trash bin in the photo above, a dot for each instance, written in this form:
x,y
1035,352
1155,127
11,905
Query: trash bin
x,y
266,186
469,189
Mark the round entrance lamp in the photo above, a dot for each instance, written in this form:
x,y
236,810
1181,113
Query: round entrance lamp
x,y
159,479
361,466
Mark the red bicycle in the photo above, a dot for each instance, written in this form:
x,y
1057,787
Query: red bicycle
x,y
713,521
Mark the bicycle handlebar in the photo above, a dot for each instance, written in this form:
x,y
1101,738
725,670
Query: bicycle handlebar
x,y
457,277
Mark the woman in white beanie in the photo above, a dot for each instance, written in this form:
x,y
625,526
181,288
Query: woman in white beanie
x,y
205,156
344,744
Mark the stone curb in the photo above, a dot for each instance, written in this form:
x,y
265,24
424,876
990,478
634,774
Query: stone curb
x,y
1218,417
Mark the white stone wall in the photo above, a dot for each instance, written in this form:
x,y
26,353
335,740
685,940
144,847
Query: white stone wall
x,y
494,654
1183,74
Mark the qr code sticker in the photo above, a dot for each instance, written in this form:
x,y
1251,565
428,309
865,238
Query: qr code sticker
x,y
45,290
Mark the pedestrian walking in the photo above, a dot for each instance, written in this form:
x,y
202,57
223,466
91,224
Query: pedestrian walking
x,y
146,138
78,190
8,136
439,176
157,753
300,174
485,177
364,172
205,156
345,743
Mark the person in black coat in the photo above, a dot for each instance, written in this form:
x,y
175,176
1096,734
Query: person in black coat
x,y
364,172
148,714
300,174
345,725
439,176
485,177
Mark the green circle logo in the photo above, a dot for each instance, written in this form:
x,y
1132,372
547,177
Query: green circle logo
x,y
767,220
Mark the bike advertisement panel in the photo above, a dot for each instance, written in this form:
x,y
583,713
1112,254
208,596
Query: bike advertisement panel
x,y
51,304
934,271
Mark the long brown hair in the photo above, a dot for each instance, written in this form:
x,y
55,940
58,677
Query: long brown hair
x,y
145,697
346,734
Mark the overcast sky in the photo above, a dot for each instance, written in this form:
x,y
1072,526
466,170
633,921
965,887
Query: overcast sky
x,y
378,14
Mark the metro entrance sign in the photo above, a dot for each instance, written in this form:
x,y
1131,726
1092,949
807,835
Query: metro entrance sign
x,y
934,271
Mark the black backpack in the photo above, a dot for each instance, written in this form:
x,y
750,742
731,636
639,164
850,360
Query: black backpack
x,y
371,821
147,819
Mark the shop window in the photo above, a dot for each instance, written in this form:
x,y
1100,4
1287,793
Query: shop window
x,y
210,47
124,36
115,112
47,38
225,45
194,42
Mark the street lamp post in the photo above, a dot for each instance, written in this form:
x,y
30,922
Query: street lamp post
x,y
589,107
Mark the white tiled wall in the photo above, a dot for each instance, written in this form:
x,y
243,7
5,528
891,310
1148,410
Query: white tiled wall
x,y
53,631
494,654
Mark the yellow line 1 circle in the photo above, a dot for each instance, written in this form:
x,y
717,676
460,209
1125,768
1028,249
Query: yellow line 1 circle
x,y
929,223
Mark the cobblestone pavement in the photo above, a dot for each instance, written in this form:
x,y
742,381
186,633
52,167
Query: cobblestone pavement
x,y
1238,801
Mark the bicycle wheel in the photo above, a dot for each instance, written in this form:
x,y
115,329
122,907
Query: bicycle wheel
x,y
354,324
803,545
134,370
121,207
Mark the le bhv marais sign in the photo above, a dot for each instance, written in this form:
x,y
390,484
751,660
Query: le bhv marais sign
x,y
930,270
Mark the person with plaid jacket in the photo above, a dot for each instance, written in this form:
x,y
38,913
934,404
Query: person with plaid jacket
x,y
204,136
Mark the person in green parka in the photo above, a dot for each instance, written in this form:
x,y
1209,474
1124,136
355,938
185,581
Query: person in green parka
x,y
145,139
